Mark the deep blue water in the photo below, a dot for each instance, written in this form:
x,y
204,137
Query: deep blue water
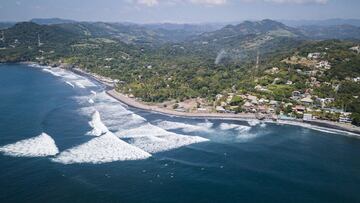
x,y
239,163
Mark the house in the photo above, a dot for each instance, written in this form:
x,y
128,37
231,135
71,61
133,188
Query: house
x,y
307,117
202,110
262,109
249,107
273,103
315,55
345,118
296,94
307,101
357,79
273,70
261,88
299,109
323,64
356,48
220,109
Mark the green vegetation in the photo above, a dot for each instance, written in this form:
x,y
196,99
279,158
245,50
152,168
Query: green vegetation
x,y
152,68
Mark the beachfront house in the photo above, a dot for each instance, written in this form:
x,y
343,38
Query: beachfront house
x,y
307,101
307,117
220,109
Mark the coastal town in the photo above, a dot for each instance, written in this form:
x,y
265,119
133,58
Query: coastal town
x,y
301,104
305,105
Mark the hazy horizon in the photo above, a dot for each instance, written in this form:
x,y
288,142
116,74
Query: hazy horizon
x,y
179,11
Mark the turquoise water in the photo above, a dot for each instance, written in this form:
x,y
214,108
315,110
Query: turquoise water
x,y
96,150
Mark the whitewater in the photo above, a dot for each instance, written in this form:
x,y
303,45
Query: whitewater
x,y
118,134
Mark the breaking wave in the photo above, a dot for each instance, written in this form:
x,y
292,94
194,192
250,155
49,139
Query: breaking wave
x,y
98,126
103,149
240,128
39,146
69,83
168,125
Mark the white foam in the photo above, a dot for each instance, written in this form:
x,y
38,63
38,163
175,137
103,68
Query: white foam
x,y
263,125
103,149
98,126
317,128
240,128
168,125
79,81
79,84
39,146
154,139
91,101
69,83
51,72
154,144
253,122
126,125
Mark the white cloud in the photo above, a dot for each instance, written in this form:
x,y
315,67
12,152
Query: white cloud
x,y
291,1
151,3
209,2
148,2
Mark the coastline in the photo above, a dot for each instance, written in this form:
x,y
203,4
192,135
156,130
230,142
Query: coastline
x,y
131,102
321,125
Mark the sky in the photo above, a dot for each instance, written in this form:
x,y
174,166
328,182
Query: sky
x,y
178,11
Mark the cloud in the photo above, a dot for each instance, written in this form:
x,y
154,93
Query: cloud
x,y
148,2
291,1
151,3
209,2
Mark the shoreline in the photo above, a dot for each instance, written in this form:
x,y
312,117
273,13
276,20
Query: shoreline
x,y
131,102
242,117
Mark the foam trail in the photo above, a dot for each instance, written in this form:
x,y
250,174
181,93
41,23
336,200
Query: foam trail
x,y
39,146
79,85
79,81
98,126
103,149
171,141
51,72
154,139
69,83
168,125
253,122
240,128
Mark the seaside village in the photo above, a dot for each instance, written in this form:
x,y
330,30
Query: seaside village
x,y
299,105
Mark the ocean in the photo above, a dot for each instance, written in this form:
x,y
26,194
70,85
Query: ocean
x,y
63,139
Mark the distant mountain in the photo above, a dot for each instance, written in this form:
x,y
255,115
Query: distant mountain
x,y
245,40
27,34
331,32
192,28
4,25
51,21
329,22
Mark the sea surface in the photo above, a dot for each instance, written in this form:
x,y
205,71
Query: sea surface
x,y
62,139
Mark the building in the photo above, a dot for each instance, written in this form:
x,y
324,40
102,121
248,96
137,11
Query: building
x,y
307,101
315,55
299,109
220,109
307,117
